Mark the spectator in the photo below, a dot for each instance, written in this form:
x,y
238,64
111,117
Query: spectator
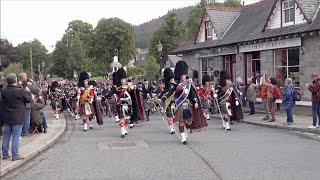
x,y
251,96
263,92
271,85
1,110
37,104
14,104
314,88
287,100
25,82
241,87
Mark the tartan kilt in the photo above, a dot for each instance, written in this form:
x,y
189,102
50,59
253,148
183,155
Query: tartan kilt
x,y
179,113
205,104
169,112
56,104
199,121
146,104
82,109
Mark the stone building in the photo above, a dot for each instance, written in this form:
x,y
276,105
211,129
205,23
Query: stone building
x,y
280,38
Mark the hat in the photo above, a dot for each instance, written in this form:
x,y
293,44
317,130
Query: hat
x,y
83,76
121,73
93,83
224,75
181,68
168,75
195,74
205,78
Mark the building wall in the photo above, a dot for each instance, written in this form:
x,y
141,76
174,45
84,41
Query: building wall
x,y
267,62
191,61
309,62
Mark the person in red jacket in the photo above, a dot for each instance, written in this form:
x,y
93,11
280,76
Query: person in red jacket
x,y
86,97
314,88
205,94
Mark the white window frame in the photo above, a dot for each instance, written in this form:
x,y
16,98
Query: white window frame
x,y
287,66
291,22
209,32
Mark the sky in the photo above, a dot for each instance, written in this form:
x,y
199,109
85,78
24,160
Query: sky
x,y
25,20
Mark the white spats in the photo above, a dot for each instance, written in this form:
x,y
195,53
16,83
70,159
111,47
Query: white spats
x,y
85,128
183,138
90,125
227,126
117,119
123,132
172,130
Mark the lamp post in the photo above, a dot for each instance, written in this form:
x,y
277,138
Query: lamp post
x,y
159,48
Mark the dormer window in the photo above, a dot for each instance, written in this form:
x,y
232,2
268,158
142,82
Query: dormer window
x,y
208,30
288,12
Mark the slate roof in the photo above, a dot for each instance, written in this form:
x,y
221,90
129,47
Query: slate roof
x,y
174,59
309,7
315,25
250,23
221,18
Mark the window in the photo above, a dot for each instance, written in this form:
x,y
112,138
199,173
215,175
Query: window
x,y
288,12
208,30
287,65
207,66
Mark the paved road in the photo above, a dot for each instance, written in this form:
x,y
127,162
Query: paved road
x,y
247,152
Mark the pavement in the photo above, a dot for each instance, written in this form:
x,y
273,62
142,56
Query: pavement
x,y
302,119
150,152
35,144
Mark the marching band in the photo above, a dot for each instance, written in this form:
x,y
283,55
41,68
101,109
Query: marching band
x,y
177,100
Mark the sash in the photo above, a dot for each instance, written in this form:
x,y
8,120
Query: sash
x,y
120,95
183,95
84,95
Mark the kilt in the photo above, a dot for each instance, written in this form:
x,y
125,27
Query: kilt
x,y
83,109
147,105
205,104
169,112
179,113
124,111
56,104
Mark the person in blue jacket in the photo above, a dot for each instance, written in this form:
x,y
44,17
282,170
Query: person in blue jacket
x,y
287,100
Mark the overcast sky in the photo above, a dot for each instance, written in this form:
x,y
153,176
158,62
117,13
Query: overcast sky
x,y
45,20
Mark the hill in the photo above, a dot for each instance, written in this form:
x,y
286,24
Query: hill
x,y
144,31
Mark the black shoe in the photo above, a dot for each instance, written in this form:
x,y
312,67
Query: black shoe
x,y
84,130
184,142
45,131
231,122
172,132
122,135
272,120
91,127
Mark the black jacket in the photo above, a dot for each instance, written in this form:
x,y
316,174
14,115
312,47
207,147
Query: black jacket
x,y
146,91
14,104
1,111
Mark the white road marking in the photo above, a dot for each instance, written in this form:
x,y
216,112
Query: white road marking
x,y
309,134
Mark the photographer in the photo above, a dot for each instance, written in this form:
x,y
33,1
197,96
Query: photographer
x,y
14,104
37,104
24,82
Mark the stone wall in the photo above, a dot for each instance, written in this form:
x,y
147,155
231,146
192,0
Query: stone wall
x,y
309,62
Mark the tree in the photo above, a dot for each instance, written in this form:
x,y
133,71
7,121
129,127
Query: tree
x,y
39,55
84,31
194,19
170,34
60,57
13,68
113,36
232,3
152,69
135,71
8,53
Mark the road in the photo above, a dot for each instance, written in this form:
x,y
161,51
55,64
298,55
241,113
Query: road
x,y
246,152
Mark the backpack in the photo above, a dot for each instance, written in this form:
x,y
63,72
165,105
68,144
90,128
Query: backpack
x,y
296,95
276,92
